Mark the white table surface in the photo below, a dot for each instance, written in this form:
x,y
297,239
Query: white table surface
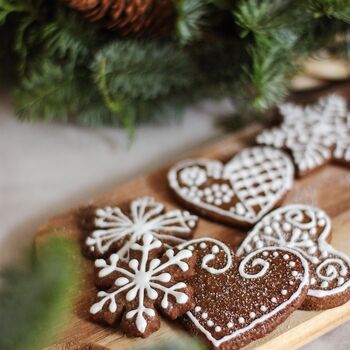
x,y
45,168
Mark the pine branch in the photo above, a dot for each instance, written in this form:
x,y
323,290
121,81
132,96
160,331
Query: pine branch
x,y
35,299
338,9
190,19
135,70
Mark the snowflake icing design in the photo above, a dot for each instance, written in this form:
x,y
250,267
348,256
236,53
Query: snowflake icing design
x,y
116,231
142,284
314,134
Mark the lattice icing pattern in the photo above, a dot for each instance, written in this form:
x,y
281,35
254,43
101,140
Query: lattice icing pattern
x,y
313,134
240,191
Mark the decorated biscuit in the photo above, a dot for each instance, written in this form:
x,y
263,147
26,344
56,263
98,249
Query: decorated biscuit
x,y
314,135
238,300
112,230
307,230
239,192
132,292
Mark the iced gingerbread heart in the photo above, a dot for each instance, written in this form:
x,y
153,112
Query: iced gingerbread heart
x,y
238,300
132,292
239,192
307,230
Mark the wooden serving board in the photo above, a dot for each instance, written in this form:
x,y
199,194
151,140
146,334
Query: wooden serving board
x,y
328,188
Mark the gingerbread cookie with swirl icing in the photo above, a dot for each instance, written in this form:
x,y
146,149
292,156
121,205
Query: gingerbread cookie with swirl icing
x,y
238,300
307,230
239,192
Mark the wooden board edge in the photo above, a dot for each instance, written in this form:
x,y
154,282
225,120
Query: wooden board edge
x,y
309,330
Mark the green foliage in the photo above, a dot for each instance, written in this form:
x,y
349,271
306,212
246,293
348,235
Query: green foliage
x,y
190,19
35,298
70,70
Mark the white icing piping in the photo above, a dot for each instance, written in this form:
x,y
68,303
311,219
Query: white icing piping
x,y
209,257
288,176
295,295
294,213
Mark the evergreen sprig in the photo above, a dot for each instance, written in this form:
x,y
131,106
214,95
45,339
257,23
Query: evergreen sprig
x,y
70,70
35,298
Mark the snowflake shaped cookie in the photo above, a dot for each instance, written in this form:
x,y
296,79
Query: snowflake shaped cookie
x,y
146,283
314,134
114,230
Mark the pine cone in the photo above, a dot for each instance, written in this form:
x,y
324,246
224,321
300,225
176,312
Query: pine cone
x,y
130,17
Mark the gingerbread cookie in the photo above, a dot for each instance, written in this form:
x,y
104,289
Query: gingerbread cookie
x,y
112,230
307,230
240,300
314,135
239,192
149,281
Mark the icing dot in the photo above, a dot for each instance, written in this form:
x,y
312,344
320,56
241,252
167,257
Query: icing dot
x,y
274,300
313,280
241,320
265,253
218,201
291,283
204,315
314,260
312,250
268,230
263,308
259,244
197,308
191,247
324,284
285,256
252,315
295,273
287,226
192,223
210,323
207,191
292,263
210,199
230,325
324,254
215,187
275,254
215,249
321,222
203,245
283,292
217,329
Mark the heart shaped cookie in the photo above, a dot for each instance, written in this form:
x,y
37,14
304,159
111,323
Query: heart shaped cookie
x,y
240,192
308,230
240,300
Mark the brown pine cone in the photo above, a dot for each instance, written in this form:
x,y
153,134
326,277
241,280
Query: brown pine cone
x,y
130,17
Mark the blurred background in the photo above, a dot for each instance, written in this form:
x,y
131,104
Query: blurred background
x,y
95,92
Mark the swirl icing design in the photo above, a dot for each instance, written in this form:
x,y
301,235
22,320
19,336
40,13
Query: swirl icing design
x,y
235,298
142,285
116,231
306,229
241,191
314,134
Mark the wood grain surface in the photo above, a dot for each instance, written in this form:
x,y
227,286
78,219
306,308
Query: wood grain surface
x,y
328,188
